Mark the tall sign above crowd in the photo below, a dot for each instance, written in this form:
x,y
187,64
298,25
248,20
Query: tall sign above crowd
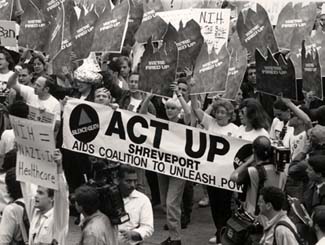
x,y
168,36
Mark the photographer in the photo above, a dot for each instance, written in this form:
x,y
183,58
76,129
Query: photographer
x,y
137,205
262,173
96,227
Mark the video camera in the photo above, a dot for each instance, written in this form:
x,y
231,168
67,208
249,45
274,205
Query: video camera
x,y
111,201
280,155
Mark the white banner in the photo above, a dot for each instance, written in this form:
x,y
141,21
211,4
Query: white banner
x,y
214,23
35,147
150,143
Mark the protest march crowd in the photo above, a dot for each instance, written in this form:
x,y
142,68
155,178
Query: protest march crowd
x,y
230,98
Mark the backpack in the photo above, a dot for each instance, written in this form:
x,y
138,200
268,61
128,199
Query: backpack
x,y
286,224
24,226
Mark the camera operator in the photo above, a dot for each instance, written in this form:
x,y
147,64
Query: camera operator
x,y
96,226
137,205
259,173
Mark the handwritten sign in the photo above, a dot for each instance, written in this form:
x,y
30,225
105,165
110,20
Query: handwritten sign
x,y
8,36
36,114
35,147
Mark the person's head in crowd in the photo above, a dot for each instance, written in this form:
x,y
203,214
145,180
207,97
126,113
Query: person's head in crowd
x,y
281,111
102,96
271,201
44,199
6,61
319,221
39,64
223,111
239,97
133,82
13,186
252,115
322,18
19,109
251,73
316,168
124,66
43,86
86,200
86,79
173,108
295,121
262,149
26,74
317,136
128,179
183,88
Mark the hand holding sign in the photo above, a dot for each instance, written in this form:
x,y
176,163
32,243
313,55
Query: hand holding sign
x,y
311,71
255,30
158,68
275,75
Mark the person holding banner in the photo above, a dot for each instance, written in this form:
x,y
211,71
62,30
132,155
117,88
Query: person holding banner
x,y
48,209
171,188
222,110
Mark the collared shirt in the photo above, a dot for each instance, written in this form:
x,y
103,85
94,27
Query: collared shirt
x,y
139,208
52,225
98,230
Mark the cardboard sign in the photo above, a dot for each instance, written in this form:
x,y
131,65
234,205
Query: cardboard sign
x,y
6,7
135,19
34,28
275,75
152,26
185,4
299,18
36,114
83,31
153,144
158,67
111,28
311,71
35,147
255,30
214,24
8,35
211,71
237,67
189,42
319,40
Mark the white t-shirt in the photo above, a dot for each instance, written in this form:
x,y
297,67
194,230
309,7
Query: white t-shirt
x,y
212,126
134,104
276,129
7,141
3,84
251,135
297,143
51,105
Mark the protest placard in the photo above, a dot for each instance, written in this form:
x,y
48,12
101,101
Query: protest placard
x,y
135,19
185,4
34,28
311,71
189,42
295,18
211,71
6,8
319,40
150,143
110,29
35,147
8,35
83,31
158,65
36,114
237,67
275,75
214,24
255,30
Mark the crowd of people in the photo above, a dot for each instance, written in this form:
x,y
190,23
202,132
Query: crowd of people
x,y
273,190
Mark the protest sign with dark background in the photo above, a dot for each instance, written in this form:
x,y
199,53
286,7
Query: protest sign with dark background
x,y
275,75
